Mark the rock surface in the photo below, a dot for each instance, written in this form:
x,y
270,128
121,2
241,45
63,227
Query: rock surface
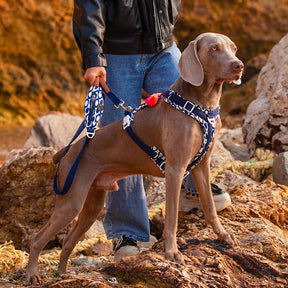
x,y
266,123
254,25
260,261
40,65
280,168
27,195
258,217
53,130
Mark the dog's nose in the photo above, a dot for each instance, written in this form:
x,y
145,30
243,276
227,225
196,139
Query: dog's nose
x,y
237,66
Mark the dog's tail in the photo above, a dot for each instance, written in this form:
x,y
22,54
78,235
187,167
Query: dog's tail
x,y
56,158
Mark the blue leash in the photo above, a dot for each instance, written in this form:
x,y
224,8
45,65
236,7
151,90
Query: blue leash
x,y
73,169
93,110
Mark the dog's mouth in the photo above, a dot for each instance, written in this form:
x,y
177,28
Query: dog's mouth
x,y
236,79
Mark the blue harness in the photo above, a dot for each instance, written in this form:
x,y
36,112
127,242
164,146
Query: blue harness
x,y
93,110
206,117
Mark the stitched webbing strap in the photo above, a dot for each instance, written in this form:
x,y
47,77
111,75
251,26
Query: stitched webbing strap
x,y
180,103
154,153
73,169
206,117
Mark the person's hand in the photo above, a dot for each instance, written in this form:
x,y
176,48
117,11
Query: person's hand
x,y
93,75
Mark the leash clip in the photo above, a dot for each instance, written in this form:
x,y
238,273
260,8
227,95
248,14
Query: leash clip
x,y
121,105
126,121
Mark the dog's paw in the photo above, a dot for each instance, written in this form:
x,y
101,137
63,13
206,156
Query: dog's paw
x,y
33,279
229,238
175,256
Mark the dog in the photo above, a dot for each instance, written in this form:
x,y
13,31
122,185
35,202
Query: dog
x,y
206,63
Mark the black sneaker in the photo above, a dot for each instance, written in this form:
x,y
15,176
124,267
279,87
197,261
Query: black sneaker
x,y
123,247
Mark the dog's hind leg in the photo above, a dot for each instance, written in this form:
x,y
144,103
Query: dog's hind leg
x,y
66,209
92,207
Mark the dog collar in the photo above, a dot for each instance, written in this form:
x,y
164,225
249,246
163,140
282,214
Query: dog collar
x,y
206,117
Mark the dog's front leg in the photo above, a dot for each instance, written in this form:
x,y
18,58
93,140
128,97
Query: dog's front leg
x,y
173,185
201,176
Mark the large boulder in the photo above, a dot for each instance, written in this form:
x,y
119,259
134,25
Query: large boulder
x,y
27,195
266,123
53,130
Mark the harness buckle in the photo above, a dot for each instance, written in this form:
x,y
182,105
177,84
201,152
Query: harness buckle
x,y
189,107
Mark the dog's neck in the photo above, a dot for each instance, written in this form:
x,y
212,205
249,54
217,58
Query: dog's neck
x,y
207,95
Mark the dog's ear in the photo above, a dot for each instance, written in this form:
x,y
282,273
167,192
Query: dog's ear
x,y
189,66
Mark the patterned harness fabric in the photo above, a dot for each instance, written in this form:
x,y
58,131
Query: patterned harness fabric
x,y
206,117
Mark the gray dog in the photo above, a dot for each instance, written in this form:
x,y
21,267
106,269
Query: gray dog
x,y
205,64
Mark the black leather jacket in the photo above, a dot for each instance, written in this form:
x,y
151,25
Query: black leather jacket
x,y
122,27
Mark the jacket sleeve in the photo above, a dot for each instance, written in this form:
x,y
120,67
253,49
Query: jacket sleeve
x,y
88,28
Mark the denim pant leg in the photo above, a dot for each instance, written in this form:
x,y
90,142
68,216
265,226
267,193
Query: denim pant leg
x,y
126,209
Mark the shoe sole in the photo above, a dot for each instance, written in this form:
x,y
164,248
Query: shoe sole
x,y
125,251
221,202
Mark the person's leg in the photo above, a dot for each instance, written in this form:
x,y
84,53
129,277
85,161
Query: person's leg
x,y
161,70
126,209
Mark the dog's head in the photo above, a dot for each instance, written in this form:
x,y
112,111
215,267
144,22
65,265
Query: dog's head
x,y
211,55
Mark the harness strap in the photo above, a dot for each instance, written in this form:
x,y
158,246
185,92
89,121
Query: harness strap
x,y
206,117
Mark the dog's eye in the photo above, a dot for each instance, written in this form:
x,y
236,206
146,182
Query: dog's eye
x,y
234,49
215,48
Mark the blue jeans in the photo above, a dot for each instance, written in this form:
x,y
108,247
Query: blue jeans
x,y
126,209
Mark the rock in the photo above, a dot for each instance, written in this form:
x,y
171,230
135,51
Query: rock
x,y
238,19
228,180
53,130
100,249
266,123
234,102
232,140
39,74
85,261
261,259
27,195
280,168
220,155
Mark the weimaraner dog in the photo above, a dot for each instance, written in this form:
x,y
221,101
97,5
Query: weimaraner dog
x,y
204,65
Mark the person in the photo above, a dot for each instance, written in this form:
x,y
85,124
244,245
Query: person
x,y
129,44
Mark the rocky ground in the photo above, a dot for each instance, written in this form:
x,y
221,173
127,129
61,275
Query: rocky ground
x,y
258,217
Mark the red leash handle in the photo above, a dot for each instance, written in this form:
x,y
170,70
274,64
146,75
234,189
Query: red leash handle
x,y
104,85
